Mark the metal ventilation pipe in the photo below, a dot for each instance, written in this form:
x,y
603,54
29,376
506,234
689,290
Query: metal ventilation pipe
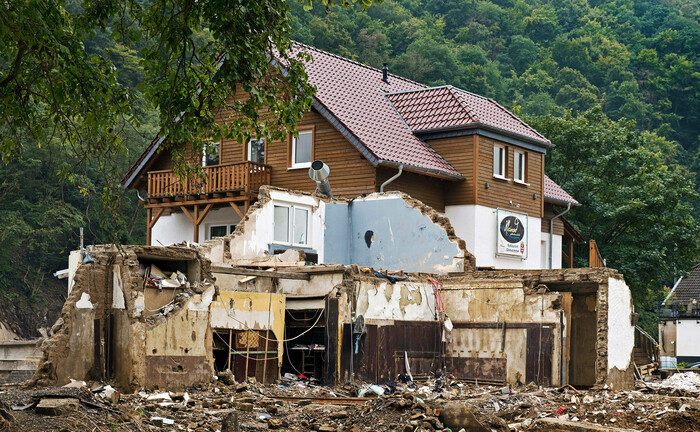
x,y
319,173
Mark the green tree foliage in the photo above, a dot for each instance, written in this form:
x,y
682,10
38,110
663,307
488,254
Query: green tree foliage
x,y
635,198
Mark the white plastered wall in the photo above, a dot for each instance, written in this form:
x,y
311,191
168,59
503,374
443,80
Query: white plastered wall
x,y
544,243
620,328
176,227
477,226
259,228
687,338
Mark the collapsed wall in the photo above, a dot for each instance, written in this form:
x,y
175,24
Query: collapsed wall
x,y
125,321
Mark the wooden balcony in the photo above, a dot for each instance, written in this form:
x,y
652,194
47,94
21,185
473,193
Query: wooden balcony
x,y
241,177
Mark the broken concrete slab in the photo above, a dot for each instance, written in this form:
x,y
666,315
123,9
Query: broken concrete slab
x,y
456,415
557,425
57,406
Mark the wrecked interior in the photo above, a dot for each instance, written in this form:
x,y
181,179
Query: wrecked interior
x,y
170,317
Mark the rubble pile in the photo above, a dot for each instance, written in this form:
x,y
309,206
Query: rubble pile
x,y
438,404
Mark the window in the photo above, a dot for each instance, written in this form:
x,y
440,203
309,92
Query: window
x,y
296,232
302,147
220,230
519,167
211,154
499,161
256,150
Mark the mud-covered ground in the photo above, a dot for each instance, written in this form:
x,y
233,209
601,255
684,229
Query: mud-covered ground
x,y
425,406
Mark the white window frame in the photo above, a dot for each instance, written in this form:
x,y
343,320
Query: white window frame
x,y
292,224
205,153
519,166
249,149
230,228
296,164
502,151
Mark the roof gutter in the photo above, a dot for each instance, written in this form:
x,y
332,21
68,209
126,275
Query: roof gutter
x,y
486,127
561,202
551,232
398,174
417,169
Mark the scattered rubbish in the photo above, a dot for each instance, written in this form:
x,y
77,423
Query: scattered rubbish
x,y
262,416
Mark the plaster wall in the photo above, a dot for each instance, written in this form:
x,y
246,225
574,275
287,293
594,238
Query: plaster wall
x,y
545,251
687,338
620,328
477,225
250,311
176,227
389,233
404,301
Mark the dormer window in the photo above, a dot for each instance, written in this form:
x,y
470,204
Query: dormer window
x,y
211,154
519,166
499,161
256,150
302,149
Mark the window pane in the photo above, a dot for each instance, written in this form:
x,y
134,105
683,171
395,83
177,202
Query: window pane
x,y
302,148
498,161
256,150
281,224
517,166
301,223
211,154
217,231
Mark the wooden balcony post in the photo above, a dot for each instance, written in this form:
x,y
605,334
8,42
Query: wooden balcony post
x,y
151,221
196,223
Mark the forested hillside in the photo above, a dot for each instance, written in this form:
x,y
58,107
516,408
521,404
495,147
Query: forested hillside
x,y
615,85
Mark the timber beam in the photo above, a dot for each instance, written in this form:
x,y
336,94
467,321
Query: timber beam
x,y
263,273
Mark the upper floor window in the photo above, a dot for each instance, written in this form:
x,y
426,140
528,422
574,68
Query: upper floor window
x,y
291,224
499,161
256,150
302,149
519,166
211,154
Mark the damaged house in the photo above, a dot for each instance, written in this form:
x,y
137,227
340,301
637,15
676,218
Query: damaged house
x,y
464,155
435,246
170,317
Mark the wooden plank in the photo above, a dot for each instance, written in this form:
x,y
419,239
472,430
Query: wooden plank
x,y
237,210
263,273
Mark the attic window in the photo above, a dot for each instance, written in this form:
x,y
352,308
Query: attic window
x,y
302,149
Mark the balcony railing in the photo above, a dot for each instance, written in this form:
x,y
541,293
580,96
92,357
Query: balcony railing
x,y
595,259
233,177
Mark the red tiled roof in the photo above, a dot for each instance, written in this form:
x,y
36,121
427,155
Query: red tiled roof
x,y
554,192
355,95
449,107
380,118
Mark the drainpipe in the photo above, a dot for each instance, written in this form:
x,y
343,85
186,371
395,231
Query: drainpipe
x,y
551,234
398,174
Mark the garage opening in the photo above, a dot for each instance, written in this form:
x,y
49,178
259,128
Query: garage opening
x,y
305,343
248,353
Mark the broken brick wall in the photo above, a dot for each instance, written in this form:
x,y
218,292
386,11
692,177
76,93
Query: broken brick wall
x,y
104,332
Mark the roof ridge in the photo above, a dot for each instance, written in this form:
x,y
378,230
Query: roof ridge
x,y
357,63
469,111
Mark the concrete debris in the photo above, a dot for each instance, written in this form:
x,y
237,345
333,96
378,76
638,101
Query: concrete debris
x,y
421,406
688,381
57,406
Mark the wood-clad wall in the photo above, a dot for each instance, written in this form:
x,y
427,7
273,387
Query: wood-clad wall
x,y
549,213
428,190
351,173
501,192
459,152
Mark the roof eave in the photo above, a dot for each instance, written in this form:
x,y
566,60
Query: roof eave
x,y
421,170
126,184
559,201
483,126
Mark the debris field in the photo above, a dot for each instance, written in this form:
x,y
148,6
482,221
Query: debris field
x,y
439,403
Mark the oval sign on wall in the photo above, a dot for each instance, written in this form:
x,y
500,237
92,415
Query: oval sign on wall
x,y
512,229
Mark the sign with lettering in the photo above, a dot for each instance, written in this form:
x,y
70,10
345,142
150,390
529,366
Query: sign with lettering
x,y
512,233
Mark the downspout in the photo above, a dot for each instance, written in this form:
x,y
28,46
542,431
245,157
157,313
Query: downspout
x,y
398,174
551,232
